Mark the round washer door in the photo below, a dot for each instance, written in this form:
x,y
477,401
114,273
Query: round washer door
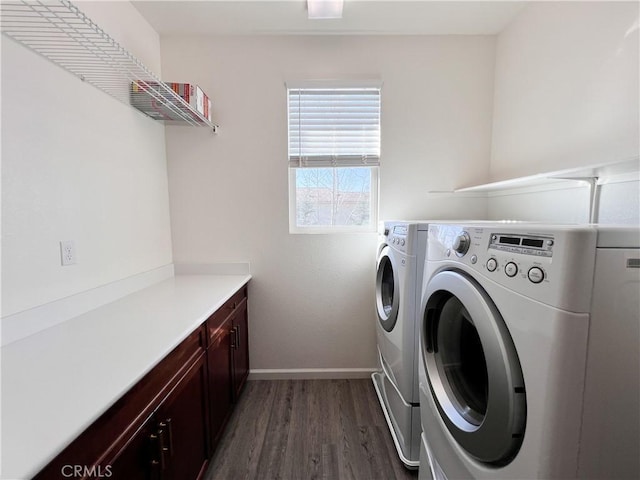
x,y
387,286
473,368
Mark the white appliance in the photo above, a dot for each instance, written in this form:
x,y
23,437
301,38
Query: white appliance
x,y
399,272
504,323
425,471
610,442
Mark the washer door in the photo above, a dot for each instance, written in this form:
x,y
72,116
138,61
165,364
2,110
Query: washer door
x,y
473,368
387,290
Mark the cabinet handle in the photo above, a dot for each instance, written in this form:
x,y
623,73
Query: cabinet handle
x,y
235,342
234,338
166,425
237,327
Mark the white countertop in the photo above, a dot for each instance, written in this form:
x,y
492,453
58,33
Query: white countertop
x,y
59,381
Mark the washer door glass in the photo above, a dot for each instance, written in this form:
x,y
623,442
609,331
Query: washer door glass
x,y
462,360
387,294
473,368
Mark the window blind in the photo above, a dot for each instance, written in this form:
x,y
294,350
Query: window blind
x,y
334,127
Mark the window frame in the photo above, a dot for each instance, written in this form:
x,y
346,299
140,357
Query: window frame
x,y
374,169
326,229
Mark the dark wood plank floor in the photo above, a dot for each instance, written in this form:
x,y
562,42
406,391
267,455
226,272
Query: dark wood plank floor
x,y
307,429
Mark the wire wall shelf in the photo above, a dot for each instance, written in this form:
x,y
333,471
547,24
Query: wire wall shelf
x,y
60,32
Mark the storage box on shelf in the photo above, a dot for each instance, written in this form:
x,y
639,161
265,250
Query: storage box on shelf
x,y
194,96
153,99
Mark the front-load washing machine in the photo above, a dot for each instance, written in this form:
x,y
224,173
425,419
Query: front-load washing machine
x,y
399,272
504,323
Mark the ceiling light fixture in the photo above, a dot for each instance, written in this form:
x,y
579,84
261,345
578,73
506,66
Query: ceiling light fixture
x,y
324,9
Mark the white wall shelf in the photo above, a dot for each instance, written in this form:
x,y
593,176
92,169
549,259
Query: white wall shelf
x,y
591,176
599,174
64,35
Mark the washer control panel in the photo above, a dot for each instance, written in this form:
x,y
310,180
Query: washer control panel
x,y
507,256
524,244
549,263
397,236
510,246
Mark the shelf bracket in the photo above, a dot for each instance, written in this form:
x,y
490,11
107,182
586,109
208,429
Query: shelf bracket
x,y
594,194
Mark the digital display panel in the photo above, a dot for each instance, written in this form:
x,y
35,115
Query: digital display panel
x,y
532,242
527,244
510,240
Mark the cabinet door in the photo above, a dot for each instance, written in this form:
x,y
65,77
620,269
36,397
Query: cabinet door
x,y
140,458
182,425
240,348
219,362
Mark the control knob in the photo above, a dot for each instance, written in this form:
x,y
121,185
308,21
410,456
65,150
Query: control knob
x,y
536,274
511,269
461,244
492,264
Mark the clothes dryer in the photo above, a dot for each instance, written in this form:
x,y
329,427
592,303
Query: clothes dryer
x,y
504,324
399,272
610,439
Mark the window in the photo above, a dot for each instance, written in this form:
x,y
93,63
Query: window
x,y
334,153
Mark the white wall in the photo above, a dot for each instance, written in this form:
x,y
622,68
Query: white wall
x,y
566,95
312,296
78,165
124,23
620,203
552,205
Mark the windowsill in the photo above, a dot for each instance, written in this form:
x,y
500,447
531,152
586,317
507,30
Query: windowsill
x,y
328,230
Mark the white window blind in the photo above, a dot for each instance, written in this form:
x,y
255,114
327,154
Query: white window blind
x,y
333,127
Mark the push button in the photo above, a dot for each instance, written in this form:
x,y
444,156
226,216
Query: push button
x,y
511,269
536,275
492,264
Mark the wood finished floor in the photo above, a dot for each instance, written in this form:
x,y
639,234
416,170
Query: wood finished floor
x,y
307,429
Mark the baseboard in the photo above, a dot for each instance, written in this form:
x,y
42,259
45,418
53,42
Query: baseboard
x,y
310,373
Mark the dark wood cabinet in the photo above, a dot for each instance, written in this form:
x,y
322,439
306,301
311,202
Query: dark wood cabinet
x,y
166,426
220,386
172,444
240,350
136,461
182,426
228,359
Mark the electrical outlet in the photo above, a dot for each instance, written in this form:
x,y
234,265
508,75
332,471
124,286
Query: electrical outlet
x,y
68,252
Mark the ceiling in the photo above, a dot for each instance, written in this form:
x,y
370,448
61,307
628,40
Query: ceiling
x,y
360,17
